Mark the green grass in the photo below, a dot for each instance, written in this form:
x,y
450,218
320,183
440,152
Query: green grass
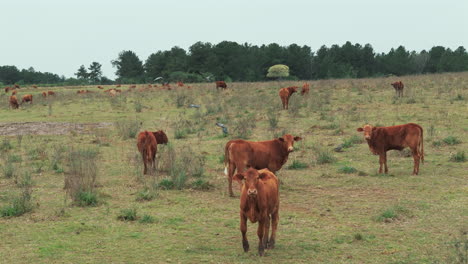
x,y
326,216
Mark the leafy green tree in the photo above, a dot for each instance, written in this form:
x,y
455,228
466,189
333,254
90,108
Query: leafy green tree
x,y
129,66
95,72
278,71
82,73
9,74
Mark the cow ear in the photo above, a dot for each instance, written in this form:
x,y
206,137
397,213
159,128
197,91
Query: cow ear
x,y
360,129
238,177
281,139
297,138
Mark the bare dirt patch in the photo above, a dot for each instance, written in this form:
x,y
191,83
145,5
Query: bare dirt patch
x,y
49,128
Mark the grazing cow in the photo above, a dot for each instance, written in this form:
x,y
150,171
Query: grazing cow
x,y
112,92
383,139
34,86
7,89
118,85
271,154
132,86
14,102
17,86
305,89
259,201
100,87
13,93
285,93
44,94
27,98
180,84
398,88
50,93
147,145
221,84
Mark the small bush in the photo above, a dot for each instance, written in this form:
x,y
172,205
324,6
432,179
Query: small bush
x,y
351,141
181,99
458,157
128,215
138,106
437,143
128,128
146,194
324,156
180,133
8,170
87,198
347,170
297,165
15,158
6,145
25,181
19,205
166,184
146,219
272,119
202,185
393,213
243,127
451,140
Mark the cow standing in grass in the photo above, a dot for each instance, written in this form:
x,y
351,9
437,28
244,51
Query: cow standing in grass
x,y
242,154
147,143
27,98
221,84
13,102
259,202
398,88
383,139
285,94
305,89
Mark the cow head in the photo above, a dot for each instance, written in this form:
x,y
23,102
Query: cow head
x,y
250,178
161,137
367,129
288,142
292,89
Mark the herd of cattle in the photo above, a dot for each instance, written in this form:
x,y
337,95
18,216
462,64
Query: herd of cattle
x,y
254,164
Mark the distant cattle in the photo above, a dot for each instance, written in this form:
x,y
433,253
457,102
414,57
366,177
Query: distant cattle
x,y
44,94
118,85
13,93
13,102
271,154
27,98
50,93
285,94
180,84
132,86
259,202
147,145
17,86
398,88
34,86
221,84
305,89
100,87
84,91
383,139
7,89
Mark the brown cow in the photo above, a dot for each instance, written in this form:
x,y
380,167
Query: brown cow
x,y
259,201
34,86
383,139
7,89
14,102
305,89
118,85
100,87
44,94
17,86
50,93
27,98
271,154
13,93
147,145
180,84
398,88
285,93
221,84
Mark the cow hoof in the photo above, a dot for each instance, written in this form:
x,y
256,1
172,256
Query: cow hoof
x,y
245,244
271,244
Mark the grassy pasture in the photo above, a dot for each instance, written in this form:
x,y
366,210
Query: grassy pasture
x,y
334,207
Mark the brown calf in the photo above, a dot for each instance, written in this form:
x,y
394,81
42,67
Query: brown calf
x,y
285,93
271,154
259,202
27,98
305,89
398,88
147,145
383,139
221,84
13,102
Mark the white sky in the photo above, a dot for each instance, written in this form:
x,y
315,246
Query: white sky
x,y
60,35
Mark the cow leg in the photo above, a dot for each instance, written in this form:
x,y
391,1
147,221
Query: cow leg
x,y
231,169
145,169
274,226
261,241
385,162
287,103
380,163
243,228
416,159
266,231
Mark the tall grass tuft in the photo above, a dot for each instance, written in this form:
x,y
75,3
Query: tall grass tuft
x,y
243,127
128,129
458,157
80,179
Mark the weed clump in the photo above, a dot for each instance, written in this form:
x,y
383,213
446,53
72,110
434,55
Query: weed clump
x,y
128,128
128,215
393,213
458,157
451,140
297,165
347,170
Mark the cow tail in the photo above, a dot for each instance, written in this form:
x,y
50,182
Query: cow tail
x,y
146,144
421,144
226,159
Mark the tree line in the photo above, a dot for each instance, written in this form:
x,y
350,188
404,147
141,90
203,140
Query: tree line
x,y
231,61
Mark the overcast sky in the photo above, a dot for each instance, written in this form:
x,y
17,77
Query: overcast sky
x,y
60,35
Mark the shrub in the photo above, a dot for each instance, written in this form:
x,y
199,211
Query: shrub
x,y
324,156
128,128
25,181
128,215
146,219
458,157
19,205
202,185
166,184
451,140
181,99
8,170
347,170
14,158
138,106
272,119
87,198
351,141
296,165
6,145
147,194
243,127
393,213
